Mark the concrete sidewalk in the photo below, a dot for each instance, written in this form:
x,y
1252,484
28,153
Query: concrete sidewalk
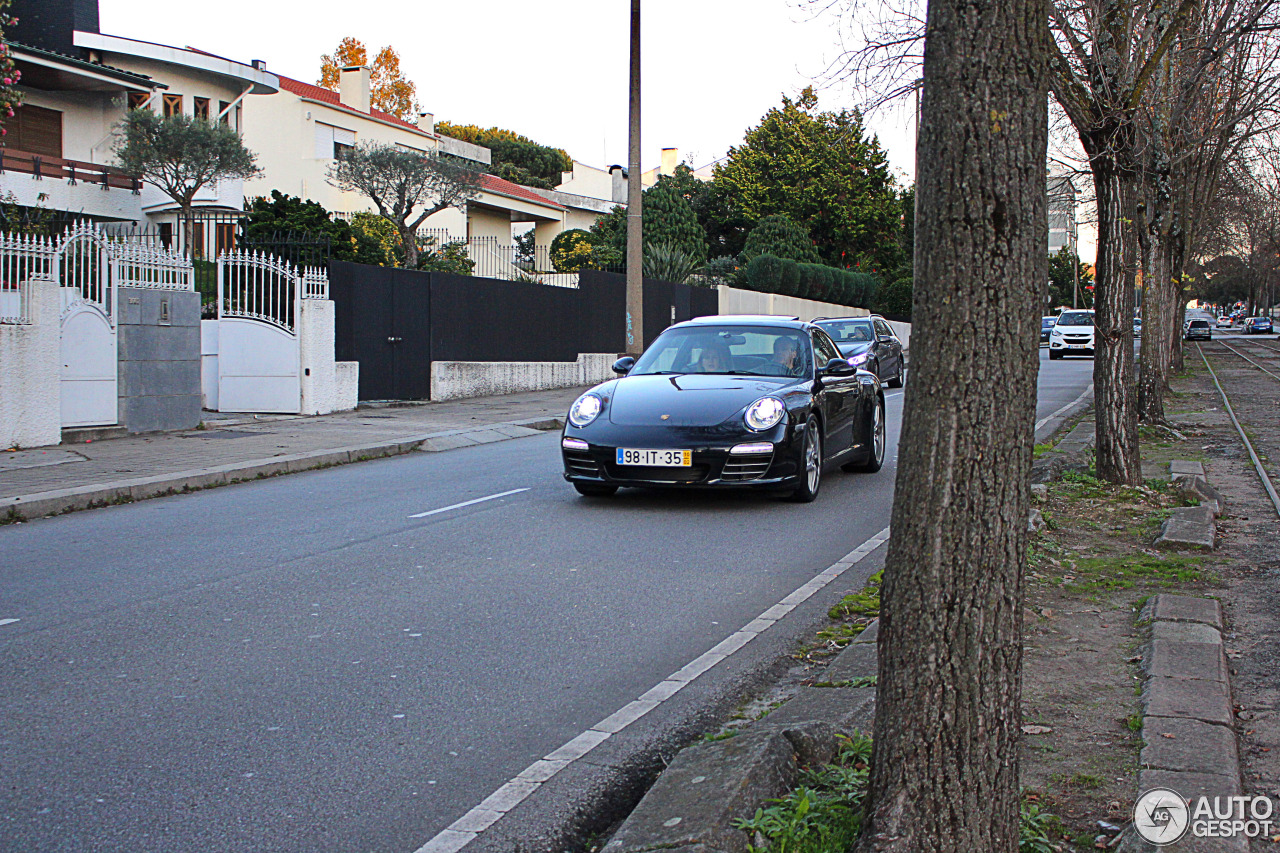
x,y
231,448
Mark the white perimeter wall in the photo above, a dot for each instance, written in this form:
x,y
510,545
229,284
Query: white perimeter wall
x,y
454,380
30,411
327,385
736,301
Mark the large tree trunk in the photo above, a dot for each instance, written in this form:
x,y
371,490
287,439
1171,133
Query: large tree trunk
x,y
1157,320
945,766
1115,414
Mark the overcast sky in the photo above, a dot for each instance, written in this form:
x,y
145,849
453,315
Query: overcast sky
x,y
554,70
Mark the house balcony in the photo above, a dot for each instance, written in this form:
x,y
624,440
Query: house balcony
x,y
91,190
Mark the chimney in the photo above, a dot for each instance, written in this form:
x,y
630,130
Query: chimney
x,y
260,64
353,87
427,122
669,158
52,24
619,176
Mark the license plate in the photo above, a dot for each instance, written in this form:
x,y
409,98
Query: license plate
x,y
655,458
1075,346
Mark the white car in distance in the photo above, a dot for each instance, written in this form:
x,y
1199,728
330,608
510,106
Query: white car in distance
x,y
1072,334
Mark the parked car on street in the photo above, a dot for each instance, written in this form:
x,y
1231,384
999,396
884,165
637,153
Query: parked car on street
x,y
1225,322
869,343
1137,327
1046,328
1072,334
1198,330
1258,326
755,402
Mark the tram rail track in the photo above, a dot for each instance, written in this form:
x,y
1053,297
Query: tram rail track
x,y
1267,484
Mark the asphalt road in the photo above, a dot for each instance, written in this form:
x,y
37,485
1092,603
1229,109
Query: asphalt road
x,y
299,664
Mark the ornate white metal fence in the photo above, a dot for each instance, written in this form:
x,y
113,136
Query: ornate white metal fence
x,y
87,260
257,286
23,259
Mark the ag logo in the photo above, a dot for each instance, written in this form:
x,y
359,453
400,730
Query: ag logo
x,y
1161,816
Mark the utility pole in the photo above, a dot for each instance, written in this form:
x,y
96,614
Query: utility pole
x,y
635,231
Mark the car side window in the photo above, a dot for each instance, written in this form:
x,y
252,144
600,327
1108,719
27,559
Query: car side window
x,y
824,349
883,330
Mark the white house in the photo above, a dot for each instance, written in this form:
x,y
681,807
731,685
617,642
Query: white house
x,y
77,84
299,131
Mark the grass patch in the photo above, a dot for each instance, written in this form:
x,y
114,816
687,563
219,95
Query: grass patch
x,y
823,814
1096,574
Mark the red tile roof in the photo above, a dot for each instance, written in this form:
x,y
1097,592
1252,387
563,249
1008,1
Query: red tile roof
x,y
494,184
330,97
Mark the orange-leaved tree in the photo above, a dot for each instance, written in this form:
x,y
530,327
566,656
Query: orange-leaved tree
x,y
390,91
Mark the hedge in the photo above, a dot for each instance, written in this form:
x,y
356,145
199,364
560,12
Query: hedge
x,y
771,274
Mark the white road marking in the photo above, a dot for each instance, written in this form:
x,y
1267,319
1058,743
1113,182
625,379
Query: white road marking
x,y
1045,420
468,503
7,621
467,828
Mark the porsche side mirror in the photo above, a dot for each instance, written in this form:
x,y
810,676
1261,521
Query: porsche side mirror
x,y
623,365
838,367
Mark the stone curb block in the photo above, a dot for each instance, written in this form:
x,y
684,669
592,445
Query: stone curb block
x,y
59,501
1186,608
1189,743
1188,527
708,786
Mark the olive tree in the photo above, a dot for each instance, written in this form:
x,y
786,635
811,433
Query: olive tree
x,y
181,155
405,186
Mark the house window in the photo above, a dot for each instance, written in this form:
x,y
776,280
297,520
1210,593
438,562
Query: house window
x,y
166,234
225,237
224,110
332,141
35,130
172,105
200,108
139,100
197,241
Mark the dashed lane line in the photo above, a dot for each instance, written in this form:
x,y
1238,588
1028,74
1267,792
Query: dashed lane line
x,y
469,503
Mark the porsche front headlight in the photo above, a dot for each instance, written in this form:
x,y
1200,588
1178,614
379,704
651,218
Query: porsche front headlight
x,y
585,410
765,413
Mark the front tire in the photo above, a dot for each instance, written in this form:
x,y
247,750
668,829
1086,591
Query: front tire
x,y
595,490
875,458
811,458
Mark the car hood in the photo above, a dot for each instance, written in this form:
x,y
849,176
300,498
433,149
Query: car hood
x,y
850,349
686,399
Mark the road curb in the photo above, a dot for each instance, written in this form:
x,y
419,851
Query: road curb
x,y
693,804
1188,734
60,501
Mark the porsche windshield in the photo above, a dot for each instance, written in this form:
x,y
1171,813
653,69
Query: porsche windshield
x,y
731,350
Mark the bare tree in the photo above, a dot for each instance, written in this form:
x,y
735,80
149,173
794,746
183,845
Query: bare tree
x,y
1208,97
945,767
400,182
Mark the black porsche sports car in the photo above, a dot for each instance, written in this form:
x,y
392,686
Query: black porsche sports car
x,y
748,401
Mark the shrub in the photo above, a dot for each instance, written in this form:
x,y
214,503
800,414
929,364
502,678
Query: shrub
x,y
669,262
764,274
781,236
895,299
789,283
377,240
451,257
723,270
571,250
669,219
